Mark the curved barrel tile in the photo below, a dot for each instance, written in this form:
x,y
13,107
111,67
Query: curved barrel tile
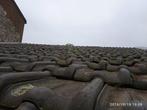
x,y
86,98
55,77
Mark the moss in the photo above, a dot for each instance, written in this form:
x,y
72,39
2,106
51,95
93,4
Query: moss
x,y
21,89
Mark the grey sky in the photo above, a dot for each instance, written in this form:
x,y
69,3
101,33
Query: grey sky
x,y
85,22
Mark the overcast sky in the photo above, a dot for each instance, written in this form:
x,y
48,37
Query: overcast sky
x,y
85,22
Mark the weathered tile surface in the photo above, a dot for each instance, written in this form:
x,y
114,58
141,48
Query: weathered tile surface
x,y
47,77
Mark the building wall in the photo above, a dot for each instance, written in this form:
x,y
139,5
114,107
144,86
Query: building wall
x,y
11,22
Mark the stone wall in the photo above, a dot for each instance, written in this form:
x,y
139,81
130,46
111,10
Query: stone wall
x,y
8,31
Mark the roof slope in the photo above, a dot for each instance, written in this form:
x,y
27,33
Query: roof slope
x,y
53,77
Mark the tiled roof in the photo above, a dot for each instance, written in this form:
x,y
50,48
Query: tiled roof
x,y
56,77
